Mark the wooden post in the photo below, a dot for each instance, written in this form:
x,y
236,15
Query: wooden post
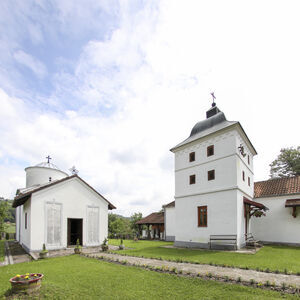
x,y
294,211
148,229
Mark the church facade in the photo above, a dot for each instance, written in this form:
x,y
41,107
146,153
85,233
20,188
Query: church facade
x,y
214,185
56,209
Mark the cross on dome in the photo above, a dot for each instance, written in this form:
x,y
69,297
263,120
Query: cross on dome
x,y
48,159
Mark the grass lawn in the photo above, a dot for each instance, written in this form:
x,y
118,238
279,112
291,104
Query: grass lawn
x,y
76,277
2,250
272,257
10,227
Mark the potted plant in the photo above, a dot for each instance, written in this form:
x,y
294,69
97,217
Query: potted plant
x,y
104,245
77,248
26,283
44,253
121,246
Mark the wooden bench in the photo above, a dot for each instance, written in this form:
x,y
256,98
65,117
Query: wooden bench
x,y
225,239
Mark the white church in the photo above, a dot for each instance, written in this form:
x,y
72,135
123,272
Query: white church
x,y
216,201
56,209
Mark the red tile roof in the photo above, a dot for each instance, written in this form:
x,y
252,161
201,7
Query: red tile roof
x,y
277,187
154,218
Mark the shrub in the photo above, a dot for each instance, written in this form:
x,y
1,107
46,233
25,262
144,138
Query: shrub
x,y
286,271
267,283
267,270
277,271
7,236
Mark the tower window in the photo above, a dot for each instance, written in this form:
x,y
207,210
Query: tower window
x,y
202,216
211,175
192,179
25,220
248,159
192,156
243,175
210,150
249,181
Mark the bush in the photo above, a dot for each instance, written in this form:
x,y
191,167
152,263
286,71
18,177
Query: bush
x,y
7,236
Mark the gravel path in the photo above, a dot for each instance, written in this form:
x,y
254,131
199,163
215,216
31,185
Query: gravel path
x,y
233,273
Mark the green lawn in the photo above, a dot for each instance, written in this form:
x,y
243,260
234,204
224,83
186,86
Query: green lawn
x,y
2,250
10,227
76,277
272,257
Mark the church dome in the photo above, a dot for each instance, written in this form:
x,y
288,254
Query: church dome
x,y
42,173
218,118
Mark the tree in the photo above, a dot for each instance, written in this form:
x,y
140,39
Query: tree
x,y
287,163
133,219
3,214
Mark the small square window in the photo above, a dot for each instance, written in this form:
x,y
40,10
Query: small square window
x,y
192,179
211,175
210,150
249,181
192,156
202,216
243,175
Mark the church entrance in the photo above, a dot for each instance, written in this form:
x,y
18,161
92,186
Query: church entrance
x,y
74,231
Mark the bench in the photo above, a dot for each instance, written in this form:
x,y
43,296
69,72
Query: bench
x,y
223,240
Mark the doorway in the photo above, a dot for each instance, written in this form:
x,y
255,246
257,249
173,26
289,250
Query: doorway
x,y
74,231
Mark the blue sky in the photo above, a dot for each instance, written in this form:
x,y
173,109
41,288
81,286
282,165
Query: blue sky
x,y
111,86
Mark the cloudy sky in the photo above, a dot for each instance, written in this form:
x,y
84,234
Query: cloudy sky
x,y
111,86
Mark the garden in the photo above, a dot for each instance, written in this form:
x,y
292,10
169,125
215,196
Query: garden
x,y
78,277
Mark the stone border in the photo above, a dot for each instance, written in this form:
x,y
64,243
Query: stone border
x,y
267,270
208,276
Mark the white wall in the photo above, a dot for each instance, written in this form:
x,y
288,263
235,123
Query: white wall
x,y
278,225
40,175
25,234
170,223
75,197
221,216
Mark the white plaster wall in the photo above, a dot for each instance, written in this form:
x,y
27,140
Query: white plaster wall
x,y
221,211
75,197
170,221
225,177
224,145
25,234
278,225
241,219
40,175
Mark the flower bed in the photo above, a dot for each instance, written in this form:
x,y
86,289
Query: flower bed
x,y
26,283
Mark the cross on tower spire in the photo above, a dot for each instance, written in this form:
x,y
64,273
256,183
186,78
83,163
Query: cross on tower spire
x,y
48,159
213,98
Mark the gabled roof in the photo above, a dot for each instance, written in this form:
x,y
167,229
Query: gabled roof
x,y
21,198
171,204
277,187
154,218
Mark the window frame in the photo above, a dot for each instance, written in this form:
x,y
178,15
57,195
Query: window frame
x,y
211,175
192,156
210,150
202,211
193,179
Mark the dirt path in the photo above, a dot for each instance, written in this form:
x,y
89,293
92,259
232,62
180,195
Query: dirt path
x,y
233,273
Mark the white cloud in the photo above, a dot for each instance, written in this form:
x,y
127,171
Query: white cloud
x,y
155,73
31,62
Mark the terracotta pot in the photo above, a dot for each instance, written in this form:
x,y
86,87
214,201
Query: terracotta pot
x,y
26,286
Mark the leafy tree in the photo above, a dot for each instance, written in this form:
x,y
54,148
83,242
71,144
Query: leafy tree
x,y
287,163
133,219
3,214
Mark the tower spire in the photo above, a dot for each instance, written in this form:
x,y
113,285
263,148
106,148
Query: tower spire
x,y
213,98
